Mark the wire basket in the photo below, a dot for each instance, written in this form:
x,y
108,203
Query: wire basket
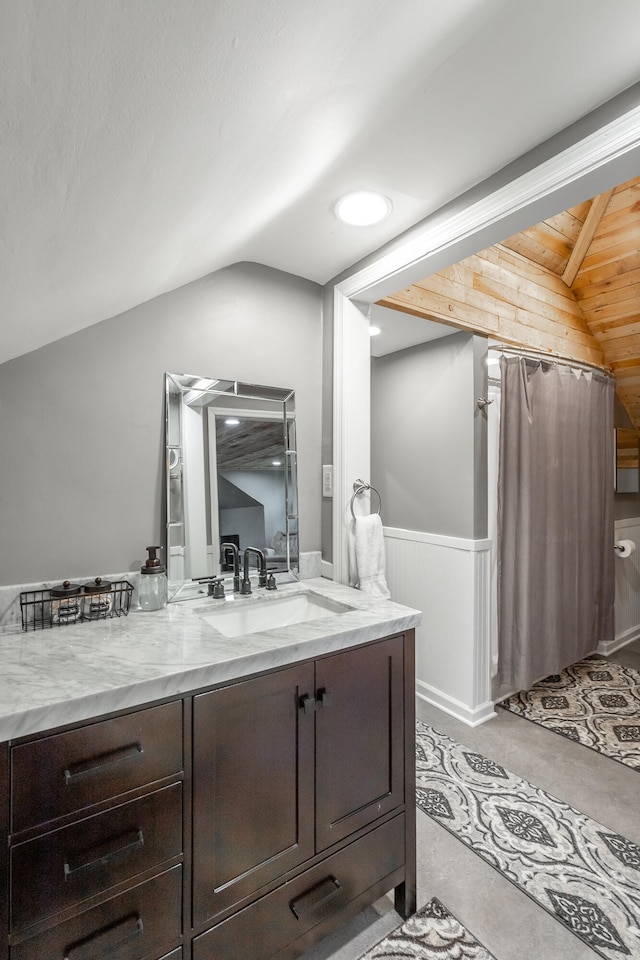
x,y
39,613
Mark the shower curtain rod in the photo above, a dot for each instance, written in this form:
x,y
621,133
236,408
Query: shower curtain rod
x,y
539,355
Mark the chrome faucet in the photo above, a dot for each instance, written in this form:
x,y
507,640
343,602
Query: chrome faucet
x,y
262,568
224,550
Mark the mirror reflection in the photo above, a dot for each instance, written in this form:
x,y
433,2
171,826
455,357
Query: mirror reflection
x,y
627,473
231,478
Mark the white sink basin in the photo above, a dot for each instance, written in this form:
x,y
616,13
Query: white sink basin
x,y
239,615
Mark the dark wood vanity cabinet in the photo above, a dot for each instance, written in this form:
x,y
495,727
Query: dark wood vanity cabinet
x,y
94,861
299,785
242,821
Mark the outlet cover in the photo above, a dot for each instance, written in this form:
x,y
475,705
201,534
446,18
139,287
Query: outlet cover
x,y
327,480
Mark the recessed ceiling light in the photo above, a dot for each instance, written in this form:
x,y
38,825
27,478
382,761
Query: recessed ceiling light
x,y
374,331
363,208
276,463
232,422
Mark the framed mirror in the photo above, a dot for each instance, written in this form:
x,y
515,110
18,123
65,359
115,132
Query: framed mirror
x,y
231,477
627,471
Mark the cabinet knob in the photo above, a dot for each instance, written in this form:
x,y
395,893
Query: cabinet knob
x,y
323,697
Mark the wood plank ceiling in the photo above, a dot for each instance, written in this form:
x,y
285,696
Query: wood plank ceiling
x,y
568,287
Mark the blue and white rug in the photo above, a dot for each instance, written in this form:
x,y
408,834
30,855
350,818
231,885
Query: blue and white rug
x,y
586,876
430,934
595,702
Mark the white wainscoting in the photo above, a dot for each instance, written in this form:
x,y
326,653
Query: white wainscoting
x,y
448,579
627,598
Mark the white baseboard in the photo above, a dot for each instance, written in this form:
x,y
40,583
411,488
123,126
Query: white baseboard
x,y
605,647
472,717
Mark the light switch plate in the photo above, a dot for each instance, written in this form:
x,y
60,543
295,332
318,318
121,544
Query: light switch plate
x,y
327,480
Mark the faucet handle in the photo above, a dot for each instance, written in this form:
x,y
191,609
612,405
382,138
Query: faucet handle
x,y
216,588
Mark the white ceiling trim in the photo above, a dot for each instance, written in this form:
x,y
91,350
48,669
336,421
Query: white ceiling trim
x,y
443,229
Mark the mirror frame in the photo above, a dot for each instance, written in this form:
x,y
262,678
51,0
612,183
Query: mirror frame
x,y
228,397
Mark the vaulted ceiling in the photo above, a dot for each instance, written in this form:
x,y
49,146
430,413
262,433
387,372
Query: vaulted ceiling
x,y
146,144
569,287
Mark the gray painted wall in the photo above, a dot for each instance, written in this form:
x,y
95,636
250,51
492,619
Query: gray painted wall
x,y
327,416
626,506
428,448
82,419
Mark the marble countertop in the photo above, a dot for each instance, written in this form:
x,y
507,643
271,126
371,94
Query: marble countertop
x,y
67,674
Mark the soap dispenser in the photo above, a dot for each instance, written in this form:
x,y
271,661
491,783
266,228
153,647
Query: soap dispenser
x,y
152,593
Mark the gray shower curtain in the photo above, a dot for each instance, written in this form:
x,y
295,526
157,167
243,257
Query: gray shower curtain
x,y
555,518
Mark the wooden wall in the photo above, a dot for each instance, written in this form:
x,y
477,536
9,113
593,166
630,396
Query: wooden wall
x,y
501,294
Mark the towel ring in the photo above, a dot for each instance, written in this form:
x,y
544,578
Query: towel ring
x,y
359,487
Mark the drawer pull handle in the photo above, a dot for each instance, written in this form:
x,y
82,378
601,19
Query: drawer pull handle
x,y
86,768
308,704
106,940
101,855
314,898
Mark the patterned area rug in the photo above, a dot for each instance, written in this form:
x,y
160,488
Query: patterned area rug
x,y
430,934
595,702
587,877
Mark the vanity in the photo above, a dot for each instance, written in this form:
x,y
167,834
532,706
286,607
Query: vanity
x,y
174,791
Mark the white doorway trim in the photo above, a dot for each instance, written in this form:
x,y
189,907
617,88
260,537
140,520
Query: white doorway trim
x,y
566,170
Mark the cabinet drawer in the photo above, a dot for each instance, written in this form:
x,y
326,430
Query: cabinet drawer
x,y
287,913
67,866
60,774
142,922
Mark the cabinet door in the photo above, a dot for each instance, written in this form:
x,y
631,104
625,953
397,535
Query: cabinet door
x,y
359,738
253,786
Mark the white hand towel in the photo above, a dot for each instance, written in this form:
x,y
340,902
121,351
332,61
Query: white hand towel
x,y
351,544
369,553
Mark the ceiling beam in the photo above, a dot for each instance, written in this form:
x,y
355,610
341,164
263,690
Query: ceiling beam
x,y
586,235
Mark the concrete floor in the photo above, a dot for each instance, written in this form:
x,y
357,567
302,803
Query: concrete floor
x,y
505,920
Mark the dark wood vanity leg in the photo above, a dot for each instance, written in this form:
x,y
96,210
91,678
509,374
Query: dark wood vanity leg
x,y
405,894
